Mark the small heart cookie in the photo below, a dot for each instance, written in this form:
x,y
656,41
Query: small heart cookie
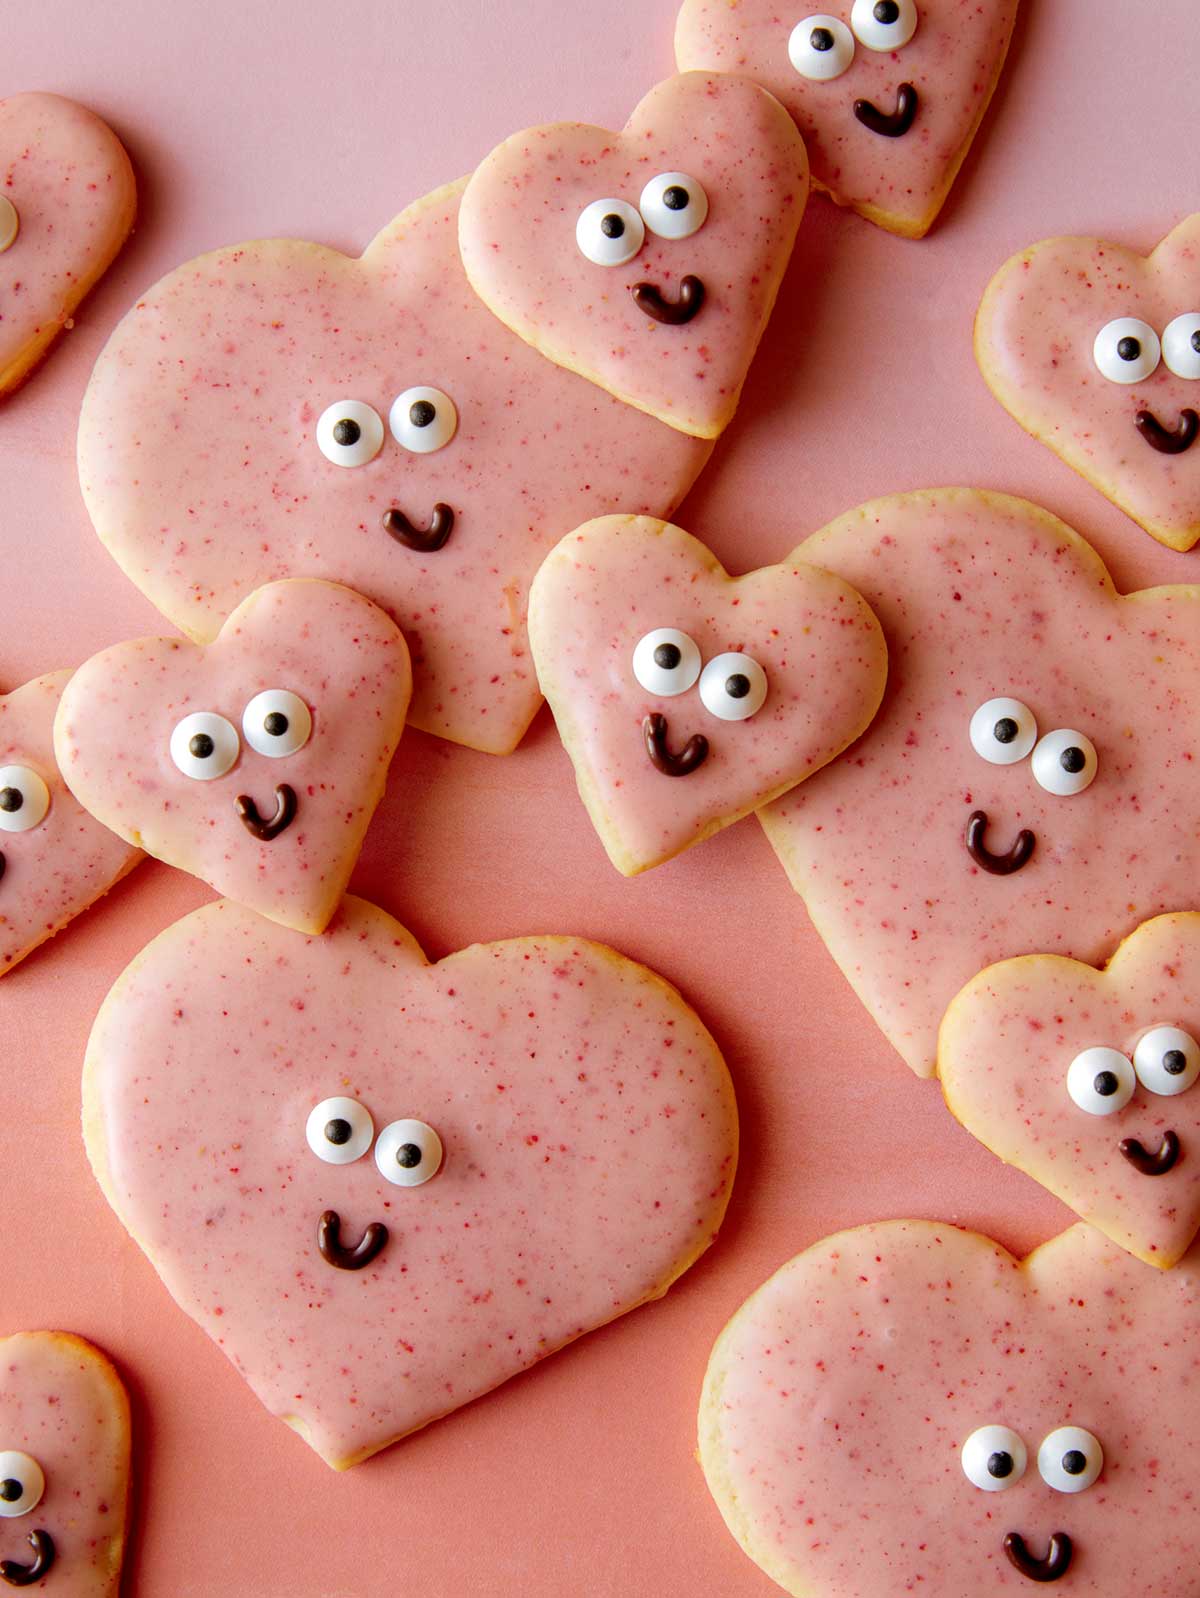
x,y
629,615
255,763
648,260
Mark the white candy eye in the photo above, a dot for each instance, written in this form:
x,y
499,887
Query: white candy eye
x,y
408,1153
883,24
339,1130
666,662
22,1483
733,686
350,433
1070,1459
1064,762
1181,345
993,1458
204,745
1167,1060
24,799
673,205
10,222
277,723
610,232
821,47
423,419
1003,731
1126,351
1101,1081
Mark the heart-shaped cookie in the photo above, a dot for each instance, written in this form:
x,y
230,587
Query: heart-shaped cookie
x,y
685,697
55,859
648,260
281,410
1095,350
383,1187
1075,1076
256,762
64,1466
888,96
906,1408
1028,784
67,203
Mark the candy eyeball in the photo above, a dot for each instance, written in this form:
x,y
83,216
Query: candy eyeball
x,y
1070,1459
1101,1081
883,24
423,419
666,662
204,745
1167,1060
610,232
821,47
1181,345
22,1483
339,1130
673,205
993,1458
24,799
1003,731
408,1153
10,223
1126,350
733,686
277,722
350,433
1064,762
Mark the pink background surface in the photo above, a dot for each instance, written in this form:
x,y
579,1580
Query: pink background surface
x,y
251,119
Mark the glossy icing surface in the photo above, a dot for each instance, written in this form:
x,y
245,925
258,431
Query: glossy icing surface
x,y
589,1136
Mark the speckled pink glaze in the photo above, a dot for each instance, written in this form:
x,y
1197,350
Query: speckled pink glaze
x,y
839,1397
1003,1053
953,61
517,231
200,467
586,1115
62,1403
614,580
979,596
58,868
70,180
1033,339
338,652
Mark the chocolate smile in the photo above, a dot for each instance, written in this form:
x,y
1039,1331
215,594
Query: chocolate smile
x,y
336,1253
889,124
649,298
43,1558
425,540
1145,1162
285,814
1056,1563
693,754
1168,440
3,865
1000,865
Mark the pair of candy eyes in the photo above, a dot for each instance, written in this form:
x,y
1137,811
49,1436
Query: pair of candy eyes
x,y
22,1483
276,723
822,47
1004,731
340,1130
995,1458
1128,350
350,432
611,232
1165,1061
667,662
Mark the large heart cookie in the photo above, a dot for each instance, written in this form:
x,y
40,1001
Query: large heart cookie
x,y
1095,350
384,1187
64,1466
255,763
1075,1075
649,260
1028,784
67,203
888,96
685,697
281,410
906,1408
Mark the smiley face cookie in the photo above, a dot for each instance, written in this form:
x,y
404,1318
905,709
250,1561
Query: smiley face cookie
x,y
687,698
255,763
648,260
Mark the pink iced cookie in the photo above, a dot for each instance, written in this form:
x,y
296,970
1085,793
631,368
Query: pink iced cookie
x,y
1029,783
649,260
887,95
55,860
383,1187
67,203
906,1408
1075,1075
281,410
687,698
1095,350
64,1467
255,763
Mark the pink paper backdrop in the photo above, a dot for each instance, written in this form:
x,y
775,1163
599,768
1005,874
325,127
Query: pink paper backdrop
x,y
247,118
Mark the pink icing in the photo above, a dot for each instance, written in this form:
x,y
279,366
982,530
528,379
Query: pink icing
x,y
337,652
517,232
587,1120
616,579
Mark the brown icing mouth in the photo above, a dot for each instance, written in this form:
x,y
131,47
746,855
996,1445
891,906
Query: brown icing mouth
x,y
649,299
285,813
3,865
1000,865
43,1558
1168,440
1151,1164
425,540
341,1255
889,124
1055,1565
690,758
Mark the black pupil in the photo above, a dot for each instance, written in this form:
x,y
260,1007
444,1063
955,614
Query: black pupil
x,y
408,1155
1106,1084
346,432
421,413
1000,1465
611,226
10,1489
1174,1062
821,39
675,198
1005,730
200,745
1072,759
11,799
338,1131
1074,1462
737,686
1196,341
887,11
276,723
668,656
1129,349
